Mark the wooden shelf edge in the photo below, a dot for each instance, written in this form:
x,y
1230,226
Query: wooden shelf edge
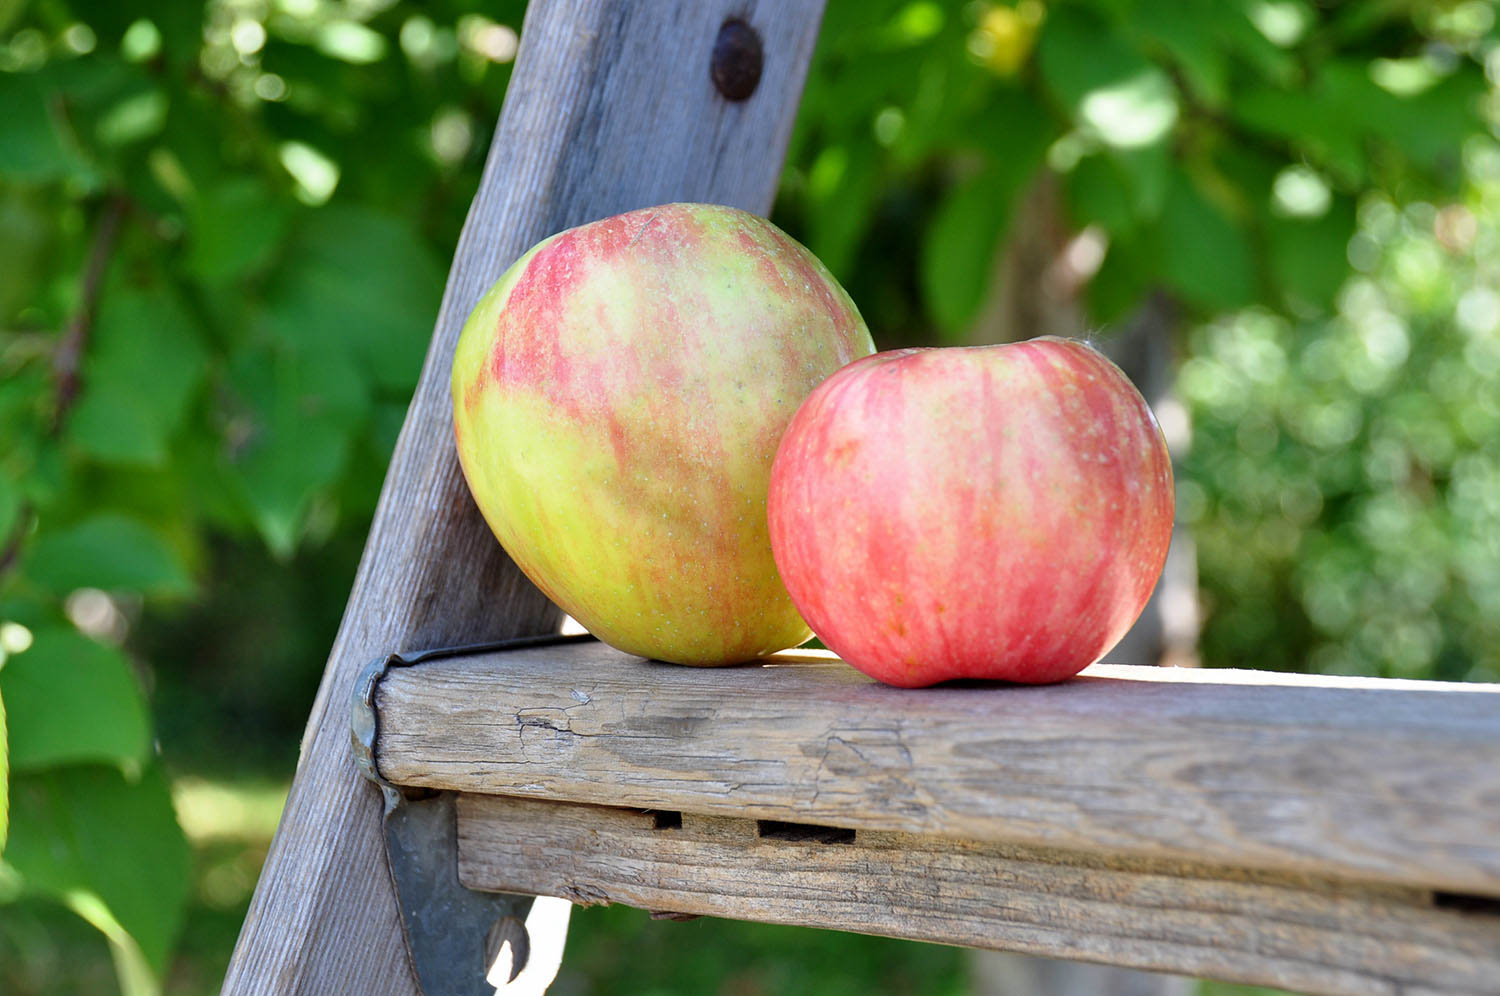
x,y
1349,778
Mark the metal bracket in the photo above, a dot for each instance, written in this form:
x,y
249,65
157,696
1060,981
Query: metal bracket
x,y
453,934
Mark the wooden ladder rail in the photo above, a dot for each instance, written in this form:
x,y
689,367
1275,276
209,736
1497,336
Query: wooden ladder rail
x,y
611,107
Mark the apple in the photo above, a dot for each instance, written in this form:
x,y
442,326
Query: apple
x,y
618,397
995,512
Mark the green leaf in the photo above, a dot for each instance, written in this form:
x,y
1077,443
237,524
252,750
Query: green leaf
x,y
1012,130
1148,174
32,145
1431,126
1202,254
958,255
1124,279
1309,256
305,411
1081,51
349,310
360,281
1098,193
970,225
1190,32
142,368
236,227
1112,91
1309,125
111,850
841,207
1238,34
943,98
74,700
109,551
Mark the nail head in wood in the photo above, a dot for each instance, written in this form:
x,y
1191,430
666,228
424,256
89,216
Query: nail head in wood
x,y
737,60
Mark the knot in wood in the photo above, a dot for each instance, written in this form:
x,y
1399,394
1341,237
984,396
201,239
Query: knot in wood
x,y
737,60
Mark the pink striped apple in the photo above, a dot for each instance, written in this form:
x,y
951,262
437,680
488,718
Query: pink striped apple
x,y
617,400
995,512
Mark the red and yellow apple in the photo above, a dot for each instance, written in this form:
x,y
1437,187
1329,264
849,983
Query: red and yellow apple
x,y
618,397
998,512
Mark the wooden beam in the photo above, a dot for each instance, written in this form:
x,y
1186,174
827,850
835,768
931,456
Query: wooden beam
x,y
1394,781
611,107
1297,932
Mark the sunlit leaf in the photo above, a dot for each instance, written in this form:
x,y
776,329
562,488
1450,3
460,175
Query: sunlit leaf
x,y
1112,91
107,847
134,118
1282,22
109,551
351,42
317,174
1135,111
74,700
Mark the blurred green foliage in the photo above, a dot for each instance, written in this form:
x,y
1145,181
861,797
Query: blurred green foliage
x,y
222,235
1344,482
223,229
1218,149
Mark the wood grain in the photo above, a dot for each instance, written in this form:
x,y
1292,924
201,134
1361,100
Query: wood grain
x,y
1394,781
610,108
1296,932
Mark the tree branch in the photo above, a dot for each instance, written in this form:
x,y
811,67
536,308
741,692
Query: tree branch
x,y
69,353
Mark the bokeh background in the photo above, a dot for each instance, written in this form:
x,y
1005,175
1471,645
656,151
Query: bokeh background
x,y
224,228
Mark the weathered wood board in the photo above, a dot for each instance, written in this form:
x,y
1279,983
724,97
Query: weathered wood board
x,y
611,107
1293,931
1389,781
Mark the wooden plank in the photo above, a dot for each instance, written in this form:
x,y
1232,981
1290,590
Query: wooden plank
x,y
1383,780
610,108
1296,932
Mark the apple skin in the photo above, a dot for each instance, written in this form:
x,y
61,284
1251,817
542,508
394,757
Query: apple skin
x,y
994,512
618,397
